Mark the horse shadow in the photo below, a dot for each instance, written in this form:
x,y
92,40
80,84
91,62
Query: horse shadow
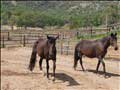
x,y
59,76
107,74
66,78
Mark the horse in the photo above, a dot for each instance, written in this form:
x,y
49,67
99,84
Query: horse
x,y
46,49
94,49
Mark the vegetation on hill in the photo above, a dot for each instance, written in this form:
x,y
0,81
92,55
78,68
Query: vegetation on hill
x,y
58,13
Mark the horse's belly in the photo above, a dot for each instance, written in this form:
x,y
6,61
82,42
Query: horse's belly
x,y
89,53
91,56
94,54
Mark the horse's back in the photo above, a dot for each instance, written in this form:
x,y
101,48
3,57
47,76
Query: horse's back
x,y
86,43
89,48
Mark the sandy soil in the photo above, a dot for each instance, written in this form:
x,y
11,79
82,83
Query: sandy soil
x,y
16,76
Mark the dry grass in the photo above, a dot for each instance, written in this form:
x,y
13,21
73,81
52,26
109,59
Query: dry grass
x,y
16,76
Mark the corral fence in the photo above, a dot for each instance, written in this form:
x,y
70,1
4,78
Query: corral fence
x,y
64,44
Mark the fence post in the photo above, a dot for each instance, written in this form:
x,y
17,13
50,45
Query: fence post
x,y
24,41
3,44
91,31
20,39
8,35
27,37
77,34
61,47
108,29
68,48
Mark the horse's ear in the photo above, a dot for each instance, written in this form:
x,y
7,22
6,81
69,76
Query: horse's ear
x,y
115,34
112,34
48,37
57,36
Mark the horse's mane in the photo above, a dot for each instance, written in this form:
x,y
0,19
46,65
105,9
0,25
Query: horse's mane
x,y
103,39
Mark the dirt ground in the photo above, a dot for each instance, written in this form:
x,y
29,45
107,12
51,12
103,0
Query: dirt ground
x,y
16,76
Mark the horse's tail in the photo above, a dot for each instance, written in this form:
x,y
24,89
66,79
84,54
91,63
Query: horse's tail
x,y
33,57
76,57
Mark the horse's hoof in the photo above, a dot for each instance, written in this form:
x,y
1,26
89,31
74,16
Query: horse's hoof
x,y
53,80
44,74
96,71
106,76
84,70
30,69
48,78
41,69
75,69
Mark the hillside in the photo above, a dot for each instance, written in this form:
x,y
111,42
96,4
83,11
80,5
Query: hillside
x,y
52,13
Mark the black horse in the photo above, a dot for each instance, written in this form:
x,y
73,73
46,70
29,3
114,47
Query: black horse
x,y
46,49
94,49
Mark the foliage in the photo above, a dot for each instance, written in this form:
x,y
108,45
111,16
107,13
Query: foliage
x,y
56,13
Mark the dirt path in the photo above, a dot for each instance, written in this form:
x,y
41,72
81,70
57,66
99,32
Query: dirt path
x,y
16,76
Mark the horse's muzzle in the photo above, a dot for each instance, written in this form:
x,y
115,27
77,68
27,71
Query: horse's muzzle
x,y
116,48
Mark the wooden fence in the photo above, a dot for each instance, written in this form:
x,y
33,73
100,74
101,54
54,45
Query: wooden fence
x,y
64,44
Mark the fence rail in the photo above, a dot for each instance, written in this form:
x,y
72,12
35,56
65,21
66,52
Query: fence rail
x,y
64,45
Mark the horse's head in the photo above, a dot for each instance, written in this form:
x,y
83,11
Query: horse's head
x,y
52,43
113,41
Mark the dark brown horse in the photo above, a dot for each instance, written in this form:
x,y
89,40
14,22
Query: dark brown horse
x,y
94,49
46,49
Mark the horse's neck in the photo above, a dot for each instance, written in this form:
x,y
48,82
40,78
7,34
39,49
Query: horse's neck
x,y
106,42
48,44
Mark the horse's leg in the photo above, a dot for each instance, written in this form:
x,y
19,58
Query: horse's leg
x,y
103,63
40,63
75,63
54,67
81,63
47,67
98,65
